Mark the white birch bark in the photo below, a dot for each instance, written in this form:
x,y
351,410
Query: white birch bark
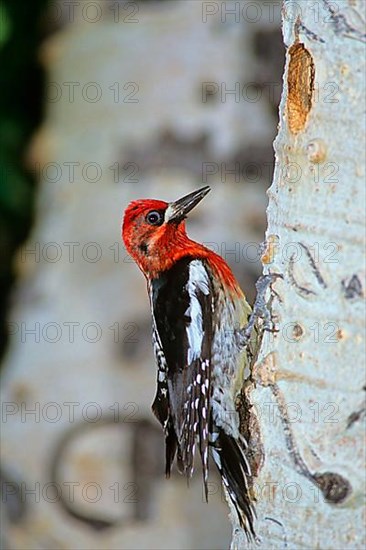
x,y
309,392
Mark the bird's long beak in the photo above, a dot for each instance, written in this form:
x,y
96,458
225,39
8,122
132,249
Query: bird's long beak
x,y
178,210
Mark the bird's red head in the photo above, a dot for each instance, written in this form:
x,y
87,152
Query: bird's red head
x,y
154,231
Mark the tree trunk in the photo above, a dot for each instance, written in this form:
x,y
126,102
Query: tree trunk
x,y
309,377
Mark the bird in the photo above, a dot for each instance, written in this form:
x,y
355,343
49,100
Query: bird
x,y
199,313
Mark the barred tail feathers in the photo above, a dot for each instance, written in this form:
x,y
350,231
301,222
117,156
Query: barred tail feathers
x,y
234,470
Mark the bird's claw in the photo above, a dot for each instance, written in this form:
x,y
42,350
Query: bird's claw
x,y
260,310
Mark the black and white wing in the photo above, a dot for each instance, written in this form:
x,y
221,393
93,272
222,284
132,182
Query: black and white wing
x,y
181,302
160,406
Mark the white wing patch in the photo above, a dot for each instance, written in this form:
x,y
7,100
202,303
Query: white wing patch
x,y
198,280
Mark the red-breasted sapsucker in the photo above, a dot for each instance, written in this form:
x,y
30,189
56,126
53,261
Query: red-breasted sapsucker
x,y
198,310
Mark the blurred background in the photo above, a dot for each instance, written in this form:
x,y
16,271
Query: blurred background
x,y
103,102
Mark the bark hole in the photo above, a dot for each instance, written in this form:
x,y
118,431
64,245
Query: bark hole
x,y
300,83
334,487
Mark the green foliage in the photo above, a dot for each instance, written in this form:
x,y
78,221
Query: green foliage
x,y
5,25
20,114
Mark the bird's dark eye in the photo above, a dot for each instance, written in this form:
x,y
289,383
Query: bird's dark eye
x,y
155,217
